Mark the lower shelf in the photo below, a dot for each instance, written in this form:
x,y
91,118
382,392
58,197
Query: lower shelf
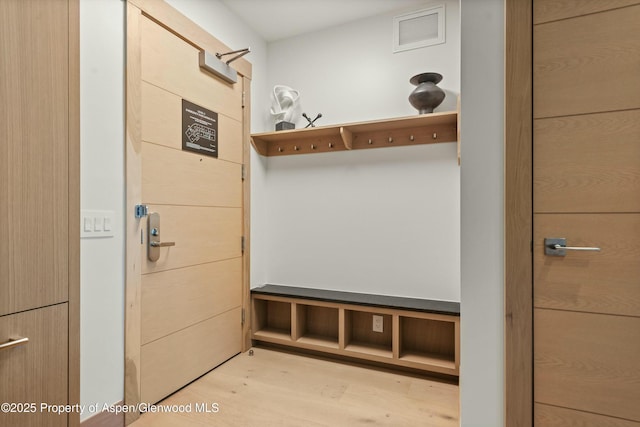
x,y
370,349
429,359
272,333
318,341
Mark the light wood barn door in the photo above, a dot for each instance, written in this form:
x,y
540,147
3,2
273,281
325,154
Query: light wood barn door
x,y
587,190
191,297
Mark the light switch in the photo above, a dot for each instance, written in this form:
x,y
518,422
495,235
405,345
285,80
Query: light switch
x,y
97,223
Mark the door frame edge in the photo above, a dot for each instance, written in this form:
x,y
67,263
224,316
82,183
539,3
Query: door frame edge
x,y
518,209
74,212
133,185
246,215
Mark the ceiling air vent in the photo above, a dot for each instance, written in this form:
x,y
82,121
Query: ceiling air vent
x,y
421,28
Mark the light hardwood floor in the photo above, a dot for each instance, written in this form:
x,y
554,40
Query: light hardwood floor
x,y
274,388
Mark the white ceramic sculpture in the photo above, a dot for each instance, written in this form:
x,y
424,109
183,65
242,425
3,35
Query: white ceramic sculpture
x,y
285,101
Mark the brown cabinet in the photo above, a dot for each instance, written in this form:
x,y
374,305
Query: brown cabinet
x,y
34,372
39,212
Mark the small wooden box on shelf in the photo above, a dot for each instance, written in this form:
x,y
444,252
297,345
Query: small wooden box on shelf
x,y
416,333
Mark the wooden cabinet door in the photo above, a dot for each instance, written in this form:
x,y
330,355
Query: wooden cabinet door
x,y
587,190
35,372
34,154
39,208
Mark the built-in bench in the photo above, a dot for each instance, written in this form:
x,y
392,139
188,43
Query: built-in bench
x,y
409,332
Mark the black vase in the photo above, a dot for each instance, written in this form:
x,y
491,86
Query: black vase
x,y
426,96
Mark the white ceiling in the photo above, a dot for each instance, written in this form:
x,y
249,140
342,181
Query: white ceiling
x,y
278,19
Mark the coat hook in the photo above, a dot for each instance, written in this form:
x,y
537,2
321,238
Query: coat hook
x,y
390,139
435,135
313,146
331,145
280,150
411,138
370,142
295,147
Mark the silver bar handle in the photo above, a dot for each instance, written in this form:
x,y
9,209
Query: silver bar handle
x,y
557,246
161,244
576,248
13,342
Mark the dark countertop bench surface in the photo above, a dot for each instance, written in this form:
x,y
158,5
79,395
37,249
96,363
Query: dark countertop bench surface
x,y
415,304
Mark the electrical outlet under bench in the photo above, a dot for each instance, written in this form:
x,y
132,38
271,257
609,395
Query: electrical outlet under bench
x,y
378,323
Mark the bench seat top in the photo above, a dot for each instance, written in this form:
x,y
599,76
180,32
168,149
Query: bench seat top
x,y
451,308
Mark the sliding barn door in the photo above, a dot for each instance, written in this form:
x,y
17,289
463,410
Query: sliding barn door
x,y
586,213
189,156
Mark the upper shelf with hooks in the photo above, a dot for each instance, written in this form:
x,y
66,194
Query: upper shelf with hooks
x,y
413,130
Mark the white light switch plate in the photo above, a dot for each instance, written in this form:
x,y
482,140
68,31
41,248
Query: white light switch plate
x,y
96,223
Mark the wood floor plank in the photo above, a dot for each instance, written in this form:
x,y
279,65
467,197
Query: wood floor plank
x,y
273,388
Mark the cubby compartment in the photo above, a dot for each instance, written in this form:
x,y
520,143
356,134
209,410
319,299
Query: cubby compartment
x,y
360,337
272,319
428,341
316,325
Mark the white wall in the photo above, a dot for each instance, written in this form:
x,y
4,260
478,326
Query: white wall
x,y
215,17
349,72
482,221
102,188
379,221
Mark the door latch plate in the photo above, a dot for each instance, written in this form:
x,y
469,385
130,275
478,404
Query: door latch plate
x,y
549,246
153,236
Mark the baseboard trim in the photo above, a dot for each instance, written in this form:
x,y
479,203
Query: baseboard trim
x,y
105,419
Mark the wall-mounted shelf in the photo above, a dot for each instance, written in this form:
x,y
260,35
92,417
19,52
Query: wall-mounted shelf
x,y
413,130
416,333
